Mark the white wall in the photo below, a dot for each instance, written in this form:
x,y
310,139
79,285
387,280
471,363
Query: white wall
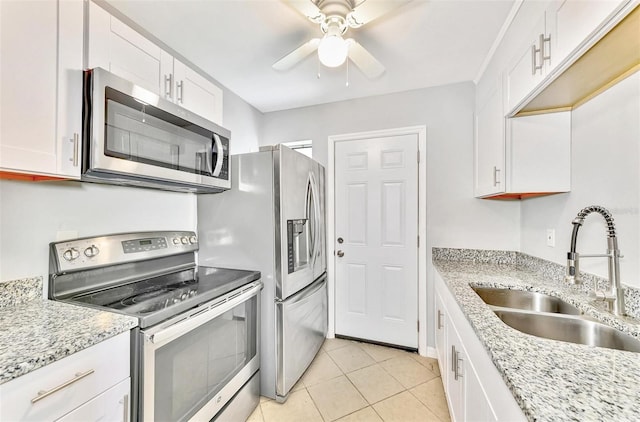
x,y
243,120
454,217
605,161
31,213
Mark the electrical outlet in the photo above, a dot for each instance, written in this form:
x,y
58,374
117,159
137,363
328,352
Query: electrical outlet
x,y
551,238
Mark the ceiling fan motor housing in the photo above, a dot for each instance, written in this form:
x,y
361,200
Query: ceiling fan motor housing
x,y
335,7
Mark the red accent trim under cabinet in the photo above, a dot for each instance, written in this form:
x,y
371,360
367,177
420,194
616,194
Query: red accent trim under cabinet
x,y
518,196
9,175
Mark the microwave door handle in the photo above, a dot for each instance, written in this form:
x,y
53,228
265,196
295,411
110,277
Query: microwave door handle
x,y
220,156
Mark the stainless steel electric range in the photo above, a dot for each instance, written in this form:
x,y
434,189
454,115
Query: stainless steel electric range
x,y
195,354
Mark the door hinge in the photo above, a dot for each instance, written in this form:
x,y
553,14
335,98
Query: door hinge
x,y
418,241
418,323
418,154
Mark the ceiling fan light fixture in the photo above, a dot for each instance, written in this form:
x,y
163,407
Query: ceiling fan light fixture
x,y
333,50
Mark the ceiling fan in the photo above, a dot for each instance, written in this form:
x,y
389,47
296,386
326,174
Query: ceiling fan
x,y
335,17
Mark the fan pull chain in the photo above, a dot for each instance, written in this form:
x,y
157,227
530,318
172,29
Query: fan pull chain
x,y
347,85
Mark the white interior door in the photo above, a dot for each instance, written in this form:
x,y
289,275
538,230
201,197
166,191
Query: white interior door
x,y
376,222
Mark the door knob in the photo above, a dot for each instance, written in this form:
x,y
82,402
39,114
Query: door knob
x,y
340,254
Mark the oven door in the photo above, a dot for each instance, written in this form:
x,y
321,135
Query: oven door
x,y
192,367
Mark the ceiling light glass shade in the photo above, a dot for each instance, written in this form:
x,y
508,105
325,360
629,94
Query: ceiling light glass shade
x,y
332,50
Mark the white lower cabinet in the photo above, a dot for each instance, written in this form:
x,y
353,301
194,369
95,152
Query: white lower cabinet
x,y
475,390
92,384
112,405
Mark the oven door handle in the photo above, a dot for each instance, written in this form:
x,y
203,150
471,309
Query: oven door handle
x,y
191,323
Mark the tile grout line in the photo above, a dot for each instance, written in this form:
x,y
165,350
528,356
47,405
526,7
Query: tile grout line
x,y
426,405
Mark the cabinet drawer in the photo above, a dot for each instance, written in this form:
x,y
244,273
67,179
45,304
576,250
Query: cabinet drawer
x,y
112,405
103,365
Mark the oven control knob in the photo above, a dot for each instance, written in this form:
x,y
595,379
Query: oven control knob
x,y
192,293
184,240
71,254
193,239
91,251
176,240
176,300
183,296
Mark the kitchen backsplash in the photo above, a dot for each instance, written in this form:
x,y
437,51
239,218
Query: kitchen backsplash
x,y
551,270
17,292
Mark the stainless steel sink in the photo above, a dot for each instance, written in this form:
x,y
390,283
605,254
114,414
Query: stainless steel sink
x,y
569,328
521,299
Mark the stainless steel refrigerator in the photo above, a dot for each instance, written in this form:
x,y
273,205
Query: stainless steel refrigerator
x,y
273,220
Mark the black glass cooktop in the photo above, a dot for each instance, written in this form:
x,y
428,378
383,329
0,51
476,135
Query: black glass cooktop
x,y
158,298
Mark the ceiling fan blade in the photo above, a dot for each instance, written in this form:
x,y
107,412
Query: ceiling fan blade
x,y
368,64
308,9
297,55
372,9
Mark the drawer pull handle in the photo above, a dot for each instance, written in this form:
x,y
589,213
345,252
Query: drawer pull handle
x,y
46,393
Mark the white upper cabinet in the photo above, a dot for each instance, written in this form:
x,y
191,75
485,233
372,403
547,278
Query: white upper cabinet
x,y
563,32
489,142
571,22
118,48
519,157
41,85
196,93
529,65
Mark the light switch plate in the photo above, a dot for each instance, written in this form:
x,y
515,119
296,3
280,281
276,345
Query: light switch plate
x,y
551,238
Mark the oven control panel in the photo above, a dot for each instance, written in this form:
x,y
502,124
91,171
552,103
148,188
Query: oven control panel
x,y
92,252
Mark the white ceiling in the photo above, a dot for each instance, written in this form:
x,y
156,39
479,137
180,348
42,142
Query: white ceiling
x,y
421,44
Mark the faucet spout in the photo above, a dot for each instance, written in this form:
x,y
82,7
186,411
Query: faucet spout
x,y
615,296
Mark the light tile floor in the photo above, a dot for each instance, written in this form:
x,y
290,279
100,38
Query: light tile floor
x,y
359,382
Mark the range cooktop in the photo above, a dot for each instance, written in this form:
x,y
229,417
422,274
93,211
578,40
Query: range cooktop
x,y
158,298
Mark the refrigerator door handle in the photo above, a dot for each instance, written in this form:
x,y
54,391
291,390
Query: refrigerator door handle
x,y
316,216
311,218
319,284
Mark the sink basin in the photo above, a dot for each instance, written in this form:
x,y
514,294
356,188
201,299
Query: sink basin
x,y
521,299
570,329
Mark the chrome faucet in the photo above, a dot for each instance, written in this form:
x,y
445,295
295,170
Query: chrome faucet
x,y
615,296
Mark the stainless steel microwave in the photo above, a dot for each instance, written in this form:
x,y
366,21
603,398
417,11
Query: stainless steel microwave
x,y
134,137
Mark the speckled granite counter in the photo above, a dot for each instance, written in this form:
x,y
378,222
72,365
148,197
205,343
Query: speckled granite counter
x,y
35,332
550,380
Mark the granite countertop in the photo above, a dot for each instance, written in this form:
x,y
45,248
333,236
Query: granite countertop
x,y
36,332
550,380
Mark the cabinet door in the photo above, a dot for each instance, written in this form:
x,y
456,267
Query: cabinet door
x,y
570,22
28,79
524,72
476,403
489,148
197,94
69,110
112,405
41,84
121,50
540,153
441,337
455,376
